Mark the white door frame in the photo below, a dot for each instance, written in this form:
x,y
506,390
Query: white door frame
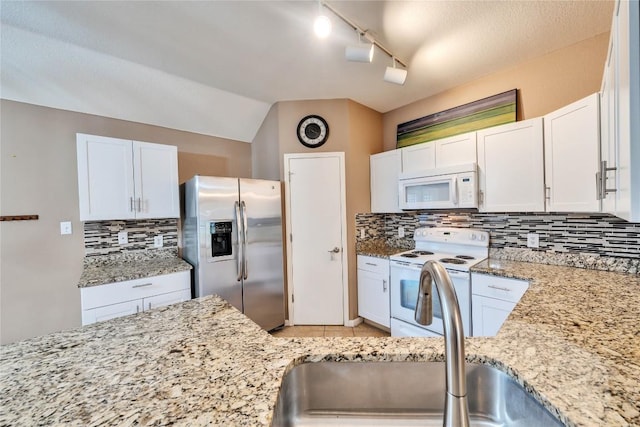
x,y
343,204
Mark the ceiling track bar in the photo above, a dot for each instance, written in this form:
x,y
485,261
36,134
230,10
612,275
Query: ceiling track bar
x,y
363,32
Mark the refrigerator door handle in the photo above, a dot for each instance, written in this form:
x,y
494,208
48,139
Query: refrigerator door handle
x,y
239,254
244,241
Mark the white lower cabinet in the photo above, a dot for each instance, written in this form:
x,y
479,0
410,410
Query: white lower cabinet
x,y
373,289
104,302
492,300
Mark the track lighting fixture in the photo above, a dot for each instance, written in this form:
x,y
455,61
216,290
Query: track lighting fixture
x,y
322,24
395,75
363,52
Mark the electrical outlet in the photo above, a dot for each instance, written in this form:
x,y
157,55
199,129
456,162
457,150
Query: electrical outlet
x,y
362,233
158,241
401,231
533,240
123,238
65,227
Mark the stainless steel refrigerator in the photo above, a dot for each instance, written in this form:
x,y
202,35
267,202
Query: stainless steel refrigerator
x,y
232,235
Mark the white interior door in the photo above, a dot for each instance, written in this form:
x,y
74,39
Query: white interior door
x,y
316,224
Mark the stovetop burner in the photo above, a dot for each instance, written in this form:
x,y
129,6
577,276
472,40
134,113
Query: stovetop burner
x,y
422,252
453,261
465,257
410,255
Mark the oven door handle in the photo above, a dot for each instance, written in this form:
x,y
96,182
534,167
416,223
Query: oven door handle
x,y
460,274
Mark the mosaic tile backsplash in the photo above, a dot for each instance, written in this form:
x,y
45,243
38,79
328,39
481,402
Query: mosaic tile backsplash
x,y
591,234
101,237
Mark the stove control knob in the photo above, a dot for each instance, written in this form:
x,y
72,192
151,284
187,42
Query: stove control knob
x,y
473,236
483,237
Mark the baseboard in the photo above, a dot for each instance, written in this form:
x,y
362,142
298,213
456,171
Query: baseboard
x,y
287,322
354,322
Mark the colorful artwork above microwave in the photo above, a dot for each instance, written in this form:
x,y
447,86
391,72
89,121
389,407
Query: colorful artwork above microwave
x,y
492,111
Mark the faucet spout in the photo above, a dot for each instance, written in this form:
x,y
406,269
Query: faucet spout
x,y
456,412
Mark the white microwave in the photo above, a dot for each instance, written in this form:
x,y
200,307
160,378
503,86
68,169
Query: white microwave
x,y
454,187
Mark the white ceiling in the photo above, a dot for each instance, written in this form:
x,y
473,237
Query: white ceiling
x,y
215,67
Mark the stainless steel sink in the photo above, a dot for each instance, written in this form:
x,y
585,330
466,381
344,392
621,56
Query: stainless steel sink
x,y
400,394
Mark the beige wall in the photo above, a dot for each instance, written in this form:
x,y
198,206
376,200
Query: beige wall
x,y
365,139
265,148
544,84
39,267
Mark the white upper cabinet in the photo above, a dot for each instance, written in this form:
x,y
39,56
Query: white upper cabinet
x,y
156,180
384,181
456,150
418,157
620,150
450,151
123,179
571,164
511,167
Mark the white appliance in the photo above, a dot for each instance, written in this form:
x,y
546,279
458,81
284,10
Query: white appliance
x,y
441,188
457,249
232,235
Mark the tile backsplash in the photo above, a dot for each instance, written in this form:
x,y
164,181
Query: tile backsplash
x,y
592,234
101,237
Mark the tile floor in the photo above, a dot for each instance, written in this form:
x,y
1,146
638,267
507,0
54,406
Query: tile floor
x,y
362,330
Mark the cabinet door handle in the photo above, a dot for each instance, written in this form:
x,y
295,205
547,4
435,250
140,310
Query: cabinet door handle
x,y
603,171
139,203
149,306
371,264
142,285
131,206
137,308
499,288
384,285
548,193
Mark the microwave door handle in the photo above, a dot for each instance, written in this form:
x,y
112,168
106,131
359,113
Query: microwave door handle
x,y
454,190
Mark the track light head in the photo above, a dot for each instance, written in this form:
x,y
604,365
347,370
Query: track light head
x,y
322,26
362,52
395,75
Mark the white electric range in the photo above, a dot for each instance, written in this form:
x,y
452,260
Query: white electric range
x,y
457,249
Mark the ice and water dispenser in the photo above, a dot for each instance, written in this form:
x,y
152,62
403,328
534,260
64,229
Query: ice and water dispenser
x,y
220,238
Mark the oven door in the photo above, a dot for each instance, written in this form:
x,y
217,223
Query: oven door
x,y
405,280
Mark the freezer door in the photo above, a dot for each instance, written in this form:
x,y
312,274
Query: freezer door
x,y
219,260
263,264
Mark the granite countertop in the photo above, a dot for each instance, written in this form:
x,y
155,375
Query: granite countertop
x,y
573,340
380,248
100,270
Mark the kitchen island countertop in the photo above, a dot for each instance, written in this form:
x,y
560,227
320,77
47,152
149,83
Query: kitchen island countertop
x,y
573,339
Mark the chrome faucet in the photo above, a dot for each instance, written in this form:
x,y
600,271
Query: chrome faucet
x,y
456,412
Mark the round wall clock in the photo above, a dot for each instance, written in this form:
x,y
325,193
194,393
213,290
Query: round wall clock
x,y
313,131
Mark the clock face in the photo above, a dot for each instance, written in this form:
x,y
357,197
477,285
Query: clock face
x,y
313,131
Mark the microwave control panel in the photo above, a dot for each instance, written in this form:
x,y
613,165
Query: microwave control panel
x,y
467,191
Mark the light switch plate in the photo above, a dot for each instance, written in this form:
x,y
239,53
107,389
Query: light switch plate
x,y
123,238
401,231
158,241
65,227
533,240
362,233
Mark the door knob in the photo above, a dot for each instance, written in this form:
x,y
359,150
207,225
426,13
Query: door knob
x,y
334,250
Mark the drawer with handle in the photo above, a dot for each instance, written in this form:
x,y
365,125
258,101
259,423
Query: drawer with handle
x,y
501,288
113,293
373,264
